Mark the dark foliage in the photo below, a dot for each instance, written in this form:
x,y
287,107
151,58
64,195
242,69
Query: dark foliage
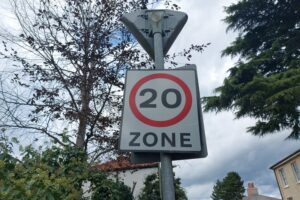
x,y
151,191
230,188
265,82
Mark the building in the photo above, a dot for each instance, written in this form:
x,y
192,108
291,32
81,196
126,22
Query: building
x,y
133,175
252,194
287,173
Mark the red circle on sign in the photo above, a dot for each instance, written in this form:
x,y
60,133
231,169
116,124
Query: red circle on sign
x,y
165,123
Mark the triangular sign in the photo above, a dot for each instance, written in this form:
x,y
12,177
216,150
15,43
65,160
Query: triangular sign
x,y
139,24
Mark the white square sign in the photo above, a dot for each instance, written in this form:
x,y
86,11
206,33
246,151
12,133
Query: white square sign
x,y
160,112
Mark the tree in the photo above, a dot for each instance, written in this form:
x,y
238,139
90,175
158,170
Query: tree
x,y
69,61
265,82
230,188
151,190
53,173
70,57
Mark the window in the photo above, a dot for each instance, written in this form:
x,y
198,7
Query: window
x,y
283,177
296,171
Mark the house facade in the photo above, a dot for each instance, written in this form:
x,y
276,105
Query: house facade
x,y
287,173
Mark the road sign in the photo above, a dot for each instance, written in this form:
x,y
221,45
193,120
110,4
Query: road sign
x,y
171,124
146,157
141,24
161,112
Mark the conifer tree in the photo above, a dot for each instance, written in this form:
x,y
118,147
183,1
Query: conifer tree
x,y
265,82
230,188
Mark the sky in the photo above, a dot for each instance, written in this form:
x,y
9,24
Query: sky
x,y
230,147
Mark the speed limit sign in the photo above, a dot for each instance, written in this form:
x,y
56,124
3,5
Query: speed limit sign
x,y
161,112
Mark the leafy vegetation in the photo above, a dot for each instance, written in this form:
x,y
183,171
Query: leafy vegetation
x,y
265,82
53,174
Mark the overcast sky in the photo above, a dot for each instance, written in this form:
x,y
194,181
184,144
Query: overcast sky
x,y
230,147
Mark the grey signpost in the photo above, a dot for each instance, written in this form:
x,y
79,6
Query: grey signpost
x,y
156,30
167,180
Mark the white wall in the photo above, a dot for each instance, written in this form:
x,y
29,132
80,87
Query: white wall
x,y
134,177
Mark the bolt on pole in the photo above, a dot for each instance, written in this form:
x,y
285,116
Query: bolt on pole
x,y
166,175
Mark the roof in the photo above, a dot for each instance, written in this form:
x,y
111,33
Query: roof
x,y
260,197
123,163
286,159
253,194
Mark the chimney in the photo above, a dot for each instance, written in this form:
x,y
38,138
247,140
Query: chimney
x,y
252,190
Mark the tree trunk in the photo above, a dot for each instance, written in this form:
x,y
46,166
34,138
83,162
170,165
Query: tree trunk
x,y
83,118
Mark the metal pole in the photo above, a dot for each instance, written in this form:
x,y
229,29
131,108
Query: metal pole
x,y
167,178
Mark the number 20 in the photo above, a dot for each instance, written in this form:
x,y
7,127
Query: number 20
x,y
149,102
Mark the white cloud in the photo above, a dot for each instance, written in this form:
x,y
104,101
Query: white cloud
x,y
200,192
